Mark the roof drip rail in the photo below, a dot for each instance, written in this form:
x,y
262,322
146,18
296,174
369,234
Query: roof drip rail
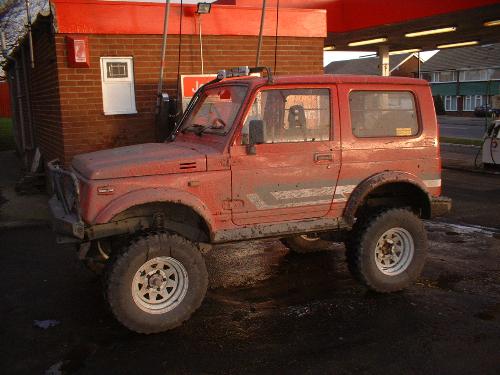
x,y
244,71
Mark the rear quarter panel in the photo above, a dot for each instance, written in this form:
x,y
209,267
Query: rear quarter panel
x,y
365,157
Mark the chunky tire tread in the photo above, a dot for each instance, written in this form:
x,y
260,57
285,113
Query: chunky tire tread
x,y
363,238
123,265
301,246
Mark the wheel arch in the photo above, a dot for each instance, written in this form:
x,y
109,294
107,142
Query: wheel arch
x,y
173,203
401,187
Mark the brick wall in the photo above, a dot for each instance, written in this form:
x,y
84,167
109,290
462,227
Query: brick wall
x,y
44,96
36,110
84,126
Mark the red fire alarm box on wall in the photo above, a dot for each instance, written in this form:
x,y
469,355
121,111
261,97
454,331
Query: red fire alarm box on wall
x,y
77,49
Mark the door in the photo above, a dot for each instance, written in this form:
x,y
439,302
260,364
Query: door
x,y
293,174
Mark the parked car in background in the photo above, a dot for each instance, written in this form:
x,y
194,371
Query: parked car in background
x,y
486,110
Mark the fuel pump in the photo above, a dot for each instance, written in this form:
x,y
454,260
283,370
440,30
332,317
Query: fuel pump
x,y
491,145
167,116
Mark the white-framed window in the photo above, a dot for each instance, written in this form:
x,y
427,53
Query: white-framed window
x,y
468,103
444,76
450,103
118,93
474,75
494,74
478,100
426,75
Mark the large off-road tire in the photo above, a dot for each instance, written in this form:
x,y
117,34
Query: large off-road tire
x,y
156,282
305,244
387,251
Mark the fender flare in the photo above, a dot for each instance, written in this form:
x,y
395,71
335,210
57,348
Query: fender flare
x,y
364,188
149,195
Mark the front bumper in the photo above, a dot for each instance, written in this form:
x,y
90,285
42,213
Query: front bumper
x,y
440,206
67,222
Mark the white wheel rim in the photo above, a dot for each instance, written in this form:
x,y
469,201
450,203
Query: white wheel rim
x,y
394,251
160,285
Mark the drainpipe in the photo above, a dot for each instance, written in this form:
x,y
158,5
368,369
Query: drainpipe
x,y
30,36
30,135
18,101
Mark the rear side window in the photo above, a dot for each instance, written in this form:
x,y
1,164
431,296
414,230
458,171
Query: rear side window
x,y
383,114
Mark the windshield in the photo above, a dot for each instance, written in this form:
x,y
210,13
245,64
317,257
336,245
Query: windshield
x,y
215,110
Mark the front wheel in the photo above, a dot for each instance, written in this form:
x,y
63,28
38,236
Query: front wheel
x,y
387,251
156,283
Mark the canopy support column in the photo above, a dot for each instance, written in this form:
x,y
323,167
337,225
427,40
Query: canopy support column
x,y
383,54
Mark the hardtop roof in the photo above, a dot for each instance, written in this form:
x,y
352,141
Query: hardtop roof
x,y
330,78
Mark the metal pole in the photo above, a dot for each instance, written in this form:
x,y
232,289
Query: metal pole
x,y
201,45
163,50
259,46
418,72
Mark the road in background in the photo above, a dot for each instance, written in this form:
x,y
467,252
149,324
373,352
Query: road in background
x,y
461,127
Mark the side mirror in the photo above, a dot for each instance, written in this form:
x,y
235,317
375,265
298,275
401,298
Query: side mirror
x,y
255,135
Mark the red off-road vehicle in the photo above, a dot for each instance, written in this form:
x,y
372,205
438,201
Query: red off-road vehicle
x,y
307,159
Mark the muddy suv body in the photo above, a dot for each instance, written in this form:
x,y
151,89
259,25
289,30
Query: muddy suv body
x,y
307,159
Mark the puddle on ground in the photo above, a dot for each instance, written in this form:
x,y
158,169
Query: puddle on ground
x,y
490,313
281,279
447,281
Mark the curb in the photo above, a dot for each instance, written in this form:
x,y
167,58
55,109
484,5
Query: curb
x,y
459,145
16,224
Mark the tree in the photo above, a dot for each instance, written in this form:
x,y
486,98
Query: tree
x,y
14,20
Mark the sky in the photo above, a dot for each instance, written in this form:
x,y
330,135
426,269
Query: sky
x,y
328,57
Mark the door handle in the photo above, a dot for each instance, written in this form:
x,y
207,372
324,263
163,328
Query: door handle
x,y
323,156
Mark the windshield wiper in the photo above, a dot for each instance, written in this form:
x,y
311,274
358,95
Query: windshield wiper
x,y
196,128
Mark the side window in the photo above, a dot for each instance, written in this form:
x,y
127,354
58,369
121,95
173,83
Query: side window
x,y
299,115
118,93
383,114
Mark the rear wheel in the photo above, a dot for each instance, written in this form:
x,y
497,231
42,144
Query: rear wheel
x,y
387,251
156,283
306,243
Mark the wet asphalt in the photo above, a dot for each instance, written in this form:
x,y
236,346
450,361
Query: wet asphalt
x,y
271,311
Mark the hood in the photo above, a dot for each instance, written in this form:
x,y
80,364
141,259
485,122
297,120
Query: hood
x,y
140,160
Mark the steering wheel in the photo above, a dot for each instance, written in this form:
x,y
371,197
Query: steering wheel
x,y
218,120
216,123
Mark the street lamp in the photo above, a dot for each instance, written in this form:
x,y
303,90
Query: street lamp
x,y
203,8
